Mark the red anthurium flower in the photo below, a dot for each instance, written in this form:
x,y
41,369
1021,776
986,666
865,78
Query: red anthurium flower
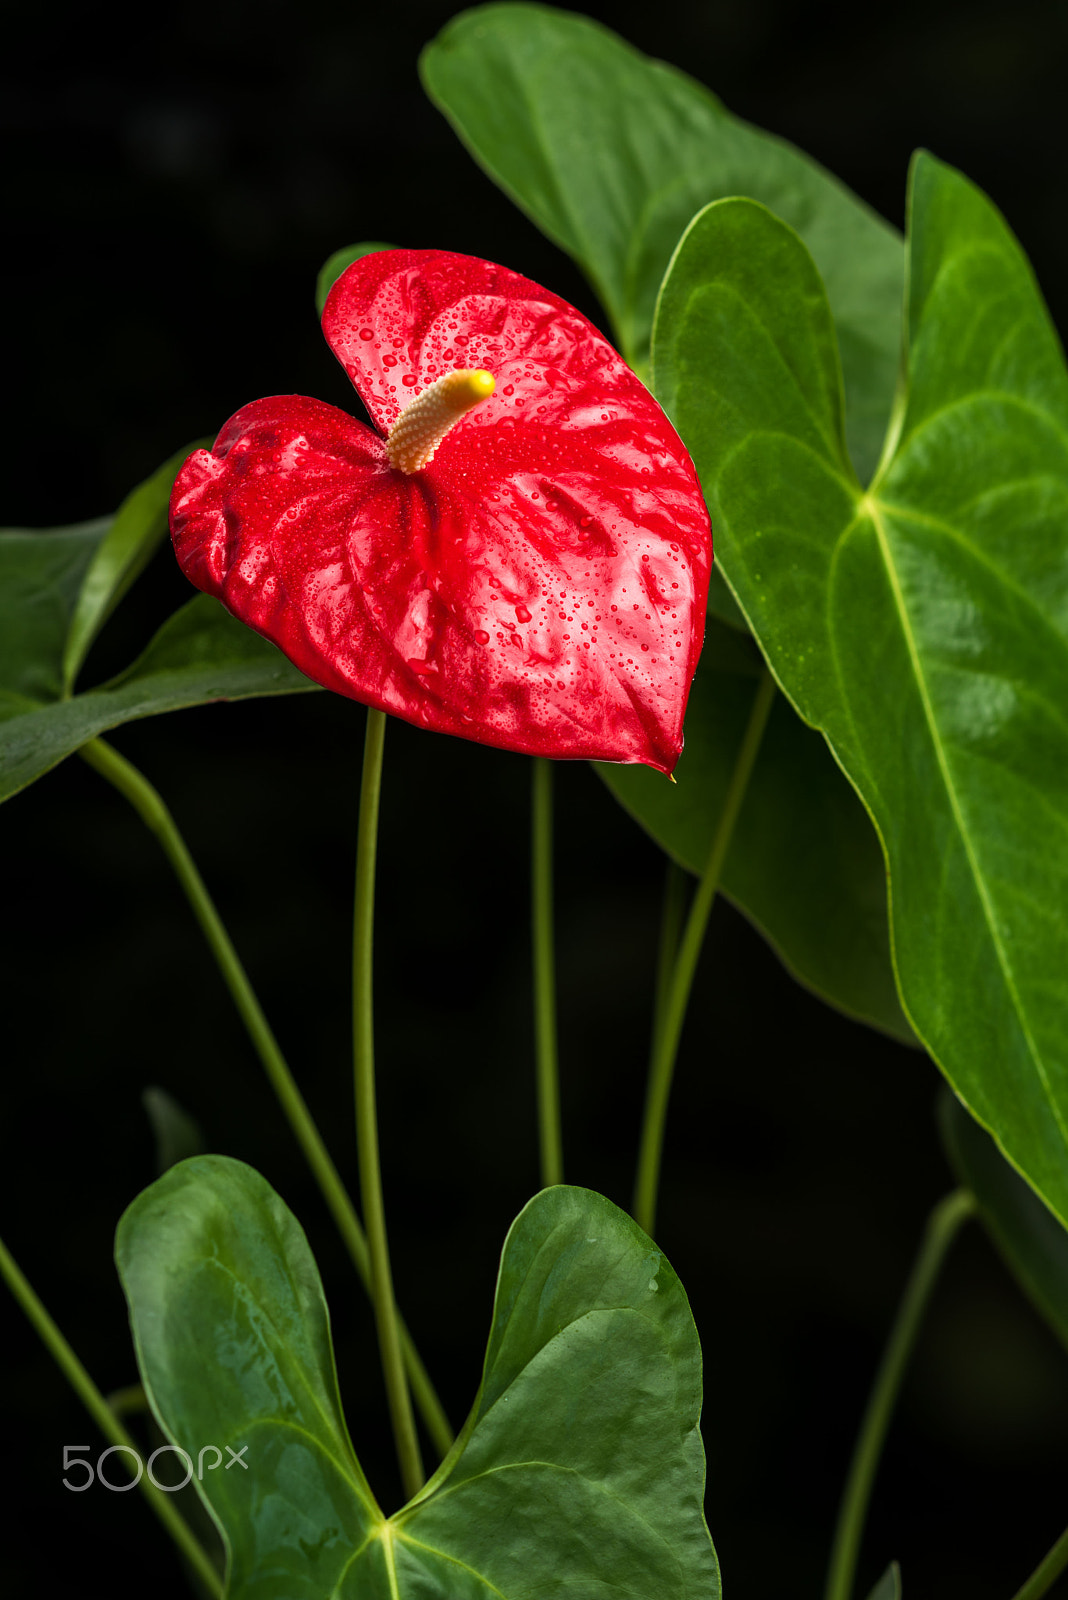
x,y
520,555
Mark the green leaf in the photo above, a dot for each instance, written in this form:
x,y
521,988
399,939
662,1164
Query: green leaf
x,y
544,100
139,528
200,654
922,626
592,1374
41,576
611,154
722,606
1027,1234
335,265
804,863
57,589
889,1585
176,1134
233,1342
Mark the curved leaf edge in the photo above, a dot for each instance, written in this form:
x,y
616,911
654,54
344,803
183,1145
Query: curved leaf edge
x,y
894,430
900,1036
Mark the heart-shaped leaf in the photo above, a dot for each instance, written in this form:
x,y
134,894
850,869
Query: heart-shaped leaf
x,y
532,576
804,863
923,625
611,154
580,1469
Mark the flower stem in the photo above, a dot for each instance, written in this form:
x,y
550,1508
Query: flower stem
x,y
942,1227
673,1012
149,805
106,1420
550,1140
374,1213
1047,1571
672,917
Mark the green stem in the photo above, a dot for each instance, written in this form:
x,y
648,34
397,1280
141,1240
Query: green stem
x,y
149,805
550,1140
374,1212
1047,1571
942,1227
105,1419
672,917
666,1039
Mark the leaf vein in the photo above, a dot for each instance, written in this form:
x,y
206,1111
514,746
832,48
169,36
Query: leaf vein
x,y
954,803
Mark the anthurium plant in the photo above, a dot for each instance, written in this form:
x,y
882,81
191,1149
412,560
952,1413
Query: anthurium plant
x,y
851,722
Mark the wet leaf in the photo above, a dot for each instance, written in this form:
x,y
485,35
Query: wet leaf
x,y
516,553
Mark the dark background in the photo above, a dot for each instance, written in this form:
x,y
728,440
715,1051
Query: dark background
x,y
170,191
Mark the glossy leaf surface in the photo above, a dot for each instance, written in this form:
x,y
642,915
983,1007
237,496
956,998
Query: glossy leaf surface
x,y
1032,1241
804,864
921,626
580,1468
538,585
611,154
200,654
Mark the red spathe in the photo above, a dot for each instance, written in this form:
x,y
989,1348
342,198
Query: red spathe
x,y
540,585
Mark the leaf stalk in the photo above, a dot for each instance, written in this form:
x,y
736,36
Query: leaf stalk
x,y
672,1011
106,1420
550,1138
374,1211
1047,1572
942,1228
150,807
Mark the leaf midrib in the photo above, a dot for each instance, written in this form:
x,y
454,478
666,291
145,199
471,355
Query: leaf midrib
x,y
874,508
